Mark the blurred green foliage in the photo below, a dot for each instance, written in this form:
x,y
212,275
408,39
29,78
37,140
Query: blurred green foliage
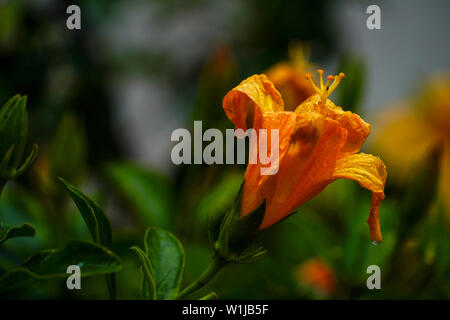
x,y
351,90
70,111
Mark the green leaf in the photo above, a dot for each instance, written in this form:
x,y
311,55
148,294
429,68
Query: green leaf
x,y
92,259
166,255
148,286
96,220
8,231
19,205
147,192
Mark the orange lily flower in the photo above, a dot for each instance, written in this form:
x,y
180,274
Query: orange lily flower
x,y
318,143
289,77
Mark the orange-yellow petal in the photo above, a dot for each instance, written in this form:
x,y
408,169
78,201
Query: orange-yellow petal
x,y
252,97
254,181
307,166
370,172
358,130
291,83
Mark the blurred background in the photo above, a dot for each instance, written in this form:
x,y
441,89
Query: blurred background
x,y
104,100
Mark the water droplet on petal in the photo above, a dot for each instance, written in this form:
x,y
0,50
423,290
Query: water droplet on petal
x,y
375,242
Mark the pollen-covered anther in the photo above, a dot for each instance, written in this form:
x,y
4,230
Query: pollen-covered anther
x,y
337,80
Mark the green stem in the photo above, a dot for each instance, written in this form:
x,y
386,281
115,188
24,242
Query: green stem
x,y
214,267
111,284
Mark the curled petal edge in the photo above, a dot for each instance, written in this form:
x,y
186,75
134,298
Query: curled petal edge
x,y
370,172
252,97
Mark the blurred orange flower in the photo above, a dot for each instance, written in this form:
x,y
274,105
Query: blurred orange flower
x,y
289,77
316,274
411,130
318,143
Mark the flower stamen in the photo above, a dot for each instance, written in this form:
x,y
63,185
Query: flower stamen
x,y
337,80
325,90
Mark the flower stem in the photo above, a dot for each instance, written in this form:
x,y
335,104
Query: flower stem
x,y
214,267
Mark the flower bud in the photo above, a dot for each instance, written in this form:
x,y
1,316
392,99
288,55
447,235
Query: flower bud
x,y
13,137
231,234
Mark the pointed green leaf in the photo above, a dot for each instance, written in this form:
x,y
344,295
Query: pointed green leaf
x,y
96,220
148,286
166,255
8,231
93,259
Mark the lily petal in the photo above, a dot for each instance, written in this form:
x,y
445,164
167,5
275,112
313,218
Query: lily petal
x,y
358,129
285,122
291,83
255,95
307,166
370,172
